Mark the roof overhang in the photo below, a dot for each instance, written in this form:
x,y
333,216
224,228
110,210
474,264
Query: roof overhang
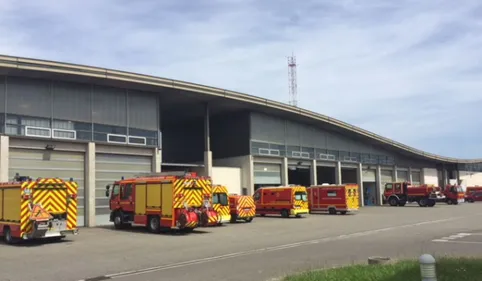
x,y
174,91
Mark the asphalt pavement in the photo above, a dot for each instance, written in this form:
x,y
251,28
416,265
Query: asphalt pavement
x,y
266,249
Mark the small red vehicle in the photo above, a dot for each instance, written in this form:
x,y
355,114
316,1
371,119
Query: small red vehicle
x,y
454,194
242,207
400,193
333,198
474,197
471,189
284,200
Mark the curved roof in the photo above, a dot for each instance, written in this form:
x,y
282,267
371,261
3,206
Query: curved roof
x,y
103,73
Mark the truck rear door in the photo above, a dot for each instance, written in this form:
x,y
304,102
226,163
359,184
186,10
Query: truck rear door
x,y
51,195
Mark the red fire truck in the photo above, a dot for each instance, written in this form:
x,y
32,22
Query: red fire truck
x,y
333,198
284,200
399,193
471,189
175,200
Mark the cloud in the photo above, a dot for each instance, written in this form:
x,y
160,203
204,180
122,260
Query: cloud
x,y
409,70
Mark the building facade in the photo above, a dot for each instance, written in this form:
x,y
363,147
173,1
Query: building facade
x,y
96,126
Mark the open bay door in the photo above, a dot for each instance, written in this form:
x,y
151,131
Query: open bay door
x,y
110,168
266,174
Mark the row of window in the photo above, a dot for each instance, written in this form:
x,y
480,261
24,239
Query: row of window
x,y
267,149
473,167
18,125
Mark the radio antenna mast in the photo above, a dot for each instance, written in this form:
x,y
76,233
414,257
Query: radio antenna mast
x,y
293,84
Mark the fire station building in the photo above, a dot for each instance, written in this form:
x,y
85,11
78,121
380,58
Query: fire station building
x,y
96,125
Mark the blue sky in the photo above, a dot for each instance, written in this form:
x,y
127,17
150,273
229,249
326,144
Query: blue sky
x,y
405,69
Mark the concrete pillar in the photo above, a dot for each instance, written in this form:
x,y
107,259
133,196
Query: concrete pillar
x,y
250,178
444,176
284,172
208,156
422,175
314,175
4,163
89,185
410,174
156,160
379,184
395,174
359,176
338,179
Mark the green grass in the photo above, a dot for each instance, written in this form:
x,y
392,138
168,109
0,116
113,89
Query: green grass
x,y
448,269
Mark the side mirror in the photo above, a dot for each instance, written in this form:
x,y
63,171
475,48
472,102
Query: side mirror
x,y
107,187
107,193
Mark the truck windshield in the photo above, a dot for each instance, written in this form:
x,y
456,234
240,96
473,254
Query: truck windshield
x,y
220,198
299,195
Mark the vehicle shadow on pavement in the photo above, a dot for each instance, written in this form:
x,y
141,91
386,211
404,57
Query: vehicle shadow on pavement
x,y
38,242
143,230
280,217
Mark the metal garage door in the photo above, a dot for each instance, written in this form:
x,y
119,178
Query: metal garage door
x,y
112,167
402,175
58,164
386,176
416,178
369,176
266,174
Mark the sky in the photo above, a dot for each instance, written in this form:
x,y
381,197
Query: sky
x,y
404,69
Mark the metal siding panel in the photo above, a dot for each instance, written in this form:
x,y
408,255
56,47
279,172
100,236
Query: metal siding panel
x,y
110,168
293,135
402,175
72,101
2,94
109,106
267,128
387,176
62,164
142,110
29,97
312,137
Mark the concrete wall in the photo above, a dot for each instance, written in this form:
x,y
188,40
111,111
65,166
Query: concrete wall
x,y
430,176
229,177
245,163
470,178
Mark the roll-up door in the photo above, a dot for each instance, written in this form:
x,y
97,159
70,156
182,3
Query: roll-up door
x,y
416,178
56,164
265,174
110,168
369,176
402,175
386,176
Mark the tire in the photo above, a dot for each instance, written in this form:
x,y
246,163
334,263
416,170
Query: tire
x,y
449,201
118,224
402,203
455,202
431,203
393,201
154,224
423,202
7,236
234,218
332,211
343,212
248,220
284,213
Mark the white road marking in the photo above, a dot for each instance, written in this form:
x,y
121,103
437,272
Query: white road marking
x,y
268,249
460,242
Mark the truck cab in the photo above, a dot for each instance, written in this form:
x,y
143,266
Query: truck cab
x,y
454,194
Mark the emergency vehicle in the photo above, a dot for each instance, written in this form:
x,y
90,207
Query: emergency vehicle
x,y
471,189
242,207
35,209
283,200
333,198
399,193
454,194
221,203
175,200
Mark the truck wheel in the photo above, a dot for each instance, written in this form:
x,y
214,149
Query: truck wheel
x,y
431,203
118,224
332,211
449,201
422,202
284,213
343,212
455,202
402,203
393,201
154,224
234,218
249,220
7,236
